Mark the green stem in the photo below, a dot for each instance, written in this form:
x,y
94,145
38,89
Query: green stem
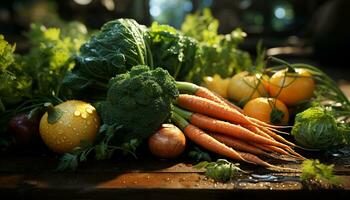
x,y
183,113
187,88
53,114
179,121
277,60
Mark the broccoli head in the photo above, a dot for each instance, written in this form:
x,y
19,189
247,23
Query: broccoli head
x,y
139,101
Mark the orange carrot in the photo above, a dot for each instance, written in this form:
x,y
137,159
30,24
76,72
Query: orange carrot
x,y
211,95
277,137
202,139
270,148
227,102
211,108
254,149
255,159
237,144
257,131
261,123
223,127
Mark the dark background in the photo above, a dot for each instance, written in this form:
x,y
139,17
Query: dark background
x,y
310,31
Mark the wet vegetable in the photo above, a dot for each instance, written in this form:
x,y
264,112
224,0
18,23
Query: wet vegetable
x,y
269,110
168,142
65,126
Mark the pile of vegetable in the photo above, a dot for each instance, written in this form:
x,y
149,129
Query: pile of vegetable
x,y
129,85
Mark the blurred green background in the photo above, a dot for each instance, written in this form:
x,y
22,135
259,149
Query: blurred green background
x,y
311,31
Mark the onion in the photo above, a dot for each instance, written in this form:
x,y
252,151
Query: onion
x,y
168,142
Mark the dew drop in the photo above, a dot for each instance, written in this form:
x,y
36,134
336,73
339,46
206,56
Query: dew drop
x,y
84,115
89,110
77,113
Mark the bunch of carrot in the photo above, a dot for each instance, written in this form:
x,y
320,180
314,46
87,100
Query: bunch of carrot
x,y
219,126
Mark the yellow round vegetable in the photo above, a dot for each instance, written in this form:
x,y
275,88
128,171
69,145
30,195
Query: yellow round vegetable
x,y
216,84
64,126
269,110
245,86
292,87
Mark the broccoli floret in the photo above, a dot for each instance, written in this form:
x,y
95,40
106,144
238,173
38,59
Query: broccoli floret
x,y
139,101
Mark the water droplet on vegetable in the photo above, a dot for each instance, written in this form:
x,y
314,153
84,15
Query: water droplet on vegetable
x,y
84,115
89,110
77,113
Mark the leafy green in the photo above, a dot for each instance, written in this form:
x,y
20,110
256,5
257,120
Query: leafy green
x,y
217,54
172,50
119,45
15,84
314,170
202,26
316,128
221,170
30,80
50,54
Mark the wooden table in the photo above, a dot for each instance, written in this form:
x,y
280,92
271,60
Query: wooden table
x,y
149,178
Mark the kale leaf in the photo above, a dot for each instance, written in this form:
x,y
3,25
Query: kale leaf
x,y
114,50
172,50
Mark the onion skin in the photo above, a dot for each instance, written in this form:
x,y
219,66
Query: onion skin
x,y
168,142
